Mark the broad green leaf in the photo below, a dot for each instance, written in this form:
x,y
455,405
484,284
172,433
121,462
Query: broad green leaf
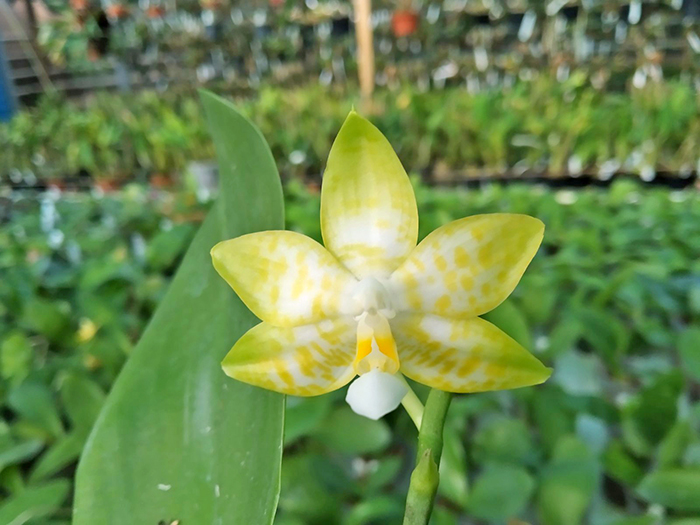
x,y
675,488
177,439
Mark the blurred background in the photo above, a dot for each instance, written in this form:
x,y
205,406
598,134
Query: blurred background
x,y
583,113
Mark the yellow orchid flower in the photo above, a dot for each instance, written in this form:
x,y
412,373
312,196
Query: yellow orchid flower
x,y
372,303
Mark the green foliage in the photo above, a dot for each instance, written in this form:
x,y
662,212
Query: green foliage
x,y
611,301
177,440
541,126
500,492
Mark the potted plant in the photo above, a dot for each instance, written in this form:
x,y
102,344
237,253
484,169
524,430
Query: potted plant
x,y
155,11
117,11
404,21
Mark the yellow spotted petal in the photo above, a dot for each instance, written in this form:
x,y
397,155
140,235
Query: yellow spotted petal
x,y
369,217
285,278
305,360
463,355
467,267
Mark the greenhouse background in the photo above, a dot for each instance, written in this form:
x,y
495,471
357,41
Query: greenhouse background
x,y
584,114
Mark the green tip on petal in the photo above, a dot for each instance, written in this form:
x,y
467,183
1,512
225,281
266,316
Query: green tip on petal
x,y
369,217
543,374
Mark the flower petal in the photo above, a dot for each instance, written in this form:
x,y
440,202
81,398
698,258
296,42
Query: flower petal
x,y
467,267
369,217
305,360
285,278
463,355
376,393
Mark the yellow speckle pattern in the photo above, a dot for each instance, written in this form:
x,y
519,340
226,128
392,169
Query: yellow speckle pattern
x,y
322,326
369,217
285,278
305,360
463,355
478,261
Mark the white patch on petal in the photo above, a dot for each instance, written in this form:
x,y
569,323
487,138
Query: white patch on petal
x,y
375,394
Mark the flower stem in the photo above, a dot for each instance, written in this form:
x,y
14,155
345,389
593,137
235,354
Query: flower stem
x,y
413,405
425,477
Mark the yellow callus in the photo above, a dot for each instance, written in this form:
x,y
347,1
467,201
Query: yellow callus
x,y
376,348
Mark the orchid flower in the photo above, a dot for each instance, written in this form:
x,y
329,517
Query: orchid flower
x,y
373,304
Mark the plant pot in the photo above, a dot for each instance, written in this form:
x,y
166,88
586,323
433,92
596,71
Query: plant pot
x,y
56,183
155,11
117,11
404,23
212,5
79,5
161,181
108,185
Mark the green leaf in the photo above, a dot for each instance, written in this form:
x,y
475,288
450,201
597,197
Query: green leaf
x,y
82,399
177,439
64,452
48,318
347,432
501,492
620,465
567,484
34,502
606,334
652,413
689,350
35,403
15,357
381,509
303,494
676,488
167,246
672,448
510,319
304,415
14,454
453,466
504,440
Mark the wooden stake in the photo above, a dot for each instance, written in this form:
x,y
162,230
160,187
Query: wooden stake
x,y
365,49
